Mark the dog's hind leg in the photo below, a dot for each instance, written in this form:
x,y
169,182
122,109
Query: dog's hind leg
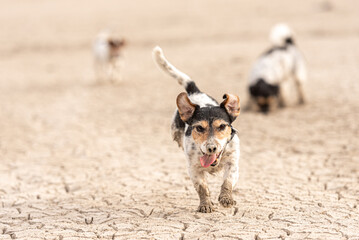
x,y
300,77
117,70
299,86
281,99
99,70
283,93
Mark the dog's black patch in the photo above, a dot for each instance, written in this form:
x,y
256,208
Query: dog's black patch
x,y
189,131
289,41
264,108
263,89
192,88
193,147
178,121
214,163
274,49
209,114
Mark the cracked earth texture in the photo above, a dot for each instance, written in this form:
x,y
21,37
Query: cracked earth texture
x,y
80,160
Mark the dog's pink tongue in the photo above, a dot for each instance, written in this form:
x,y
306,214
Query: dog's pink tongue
x,y
207,160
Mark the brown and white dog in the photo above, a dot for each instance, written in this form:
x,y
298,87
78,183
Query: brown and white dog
x,y
203,129
108,58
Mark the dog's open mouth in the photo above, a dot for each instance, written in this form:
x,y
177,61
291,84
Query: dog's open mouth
x,y
214,163
210,160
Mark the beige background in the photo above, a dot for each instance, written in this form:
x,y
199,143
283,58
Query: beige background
x,y
86,161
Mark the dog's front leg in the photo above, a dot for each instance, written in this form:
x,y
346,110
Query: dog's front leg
x,y
200,184
230,178
281,100
205,204
99,72
300,76
225,197
301,99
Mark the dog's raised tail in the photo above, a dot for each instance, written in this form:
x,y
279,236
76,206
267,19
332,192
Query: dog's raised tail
x,y
182,78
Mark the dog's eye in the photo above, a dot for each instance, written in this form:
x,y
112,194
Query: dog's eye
x,y
222,127
200,129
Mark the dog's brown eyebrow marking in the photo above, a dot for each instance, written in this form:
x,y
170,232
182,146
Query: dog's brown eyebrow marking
x,y
226,133
202,123
218,122
200,137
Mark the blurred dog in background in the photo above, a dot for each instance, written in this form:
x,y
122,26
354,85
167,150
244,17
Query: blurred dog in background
x,y
282,62
109,60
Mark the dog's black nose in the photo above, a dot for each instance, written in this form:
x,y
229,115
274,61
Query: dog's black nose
x,y
211,148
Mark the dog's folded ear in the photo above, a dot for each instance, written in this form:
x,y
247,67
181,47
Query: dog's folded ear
x,y
232,106
185,107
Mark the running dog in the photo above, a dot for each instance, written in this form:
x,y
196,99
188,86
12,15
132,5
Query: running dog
x,y
108,58
203,129
282,62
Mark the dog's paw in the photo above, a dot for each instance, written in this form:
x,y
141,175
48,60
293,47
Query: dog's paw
x,y
205,208
226,201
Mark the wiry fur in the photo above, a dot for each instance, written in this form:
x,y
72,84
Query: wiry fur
x,y
282,62
108,58
200,106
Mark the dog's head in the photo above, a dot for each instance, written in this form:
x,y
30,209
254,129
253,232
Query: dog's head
x,y
263,93
115,45
210,127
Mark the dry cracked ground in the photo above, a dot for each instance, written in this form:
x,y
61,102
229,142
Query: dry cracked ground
x,y
80,160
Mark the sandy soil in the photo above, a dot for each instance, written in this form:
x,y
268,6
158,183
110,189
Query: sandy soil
x,y
86,161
